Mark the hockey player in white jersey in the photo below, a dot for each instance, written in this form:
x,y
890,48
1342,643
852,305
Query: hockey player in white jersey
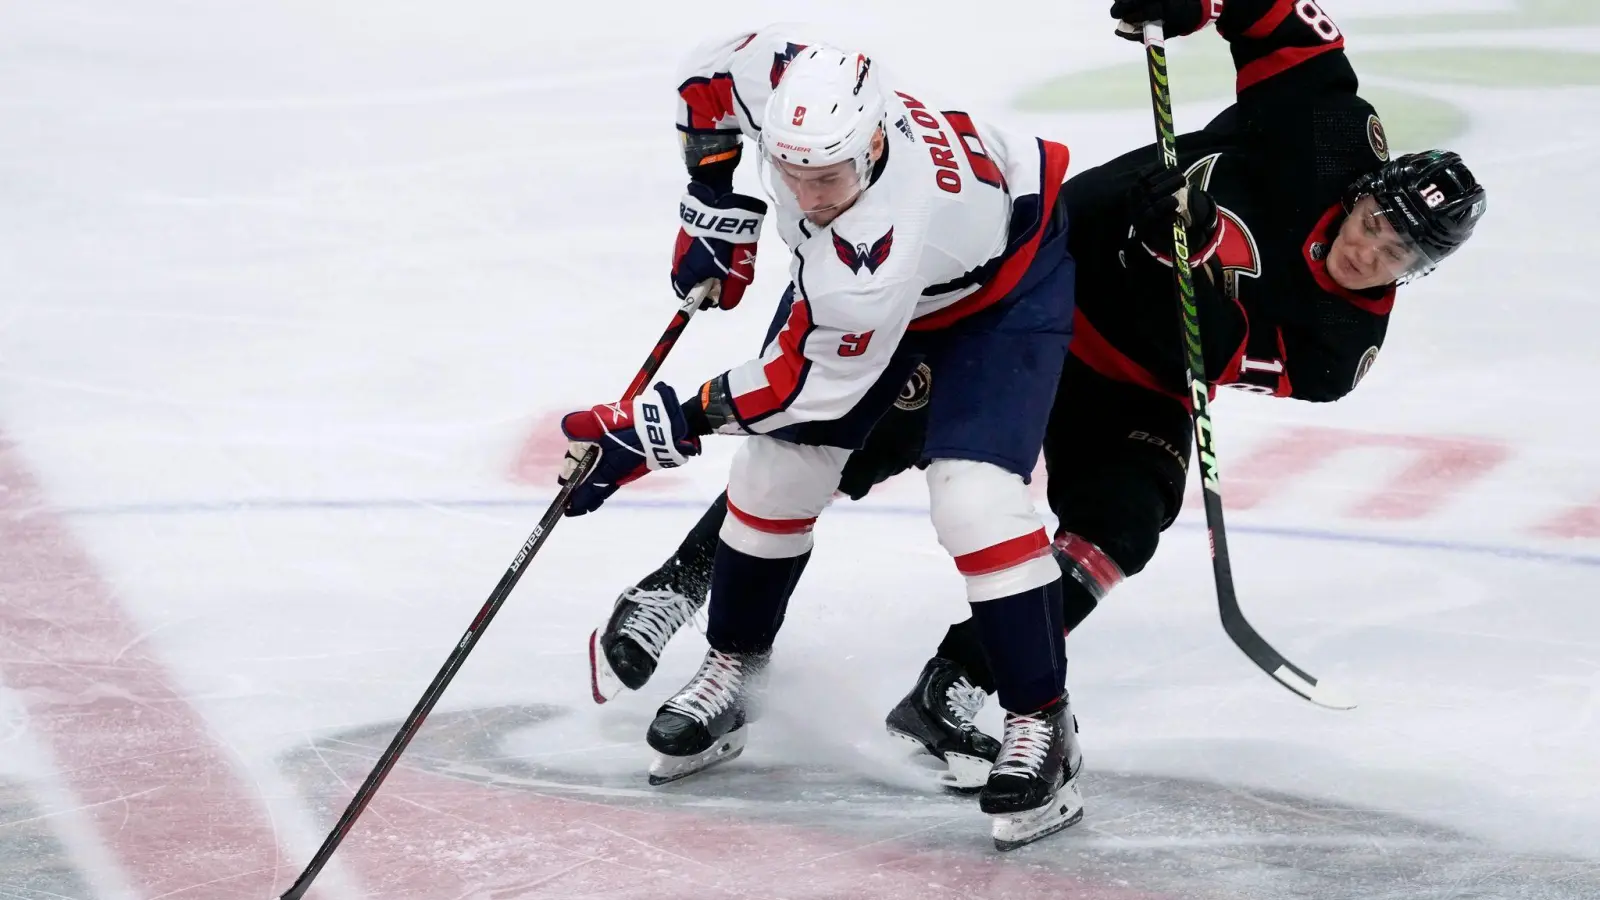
x,y
915,235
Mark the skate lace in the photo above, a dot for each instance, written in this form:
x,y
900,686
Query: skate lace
x,y
657,616
1025,745
712,689
965,701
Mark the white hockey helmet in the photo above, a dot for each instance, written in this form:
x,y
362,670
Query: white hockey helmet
x,y
825,110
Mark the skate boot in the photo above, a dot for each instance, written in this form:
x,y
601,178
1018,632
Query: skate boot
x,y
1033,788
938,715
624,653
704,723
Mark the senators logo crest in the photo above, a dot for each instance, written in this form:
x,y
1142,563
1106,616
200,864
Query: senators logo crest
x,y
1365,365
859,256
1238,255
1376,137
917,391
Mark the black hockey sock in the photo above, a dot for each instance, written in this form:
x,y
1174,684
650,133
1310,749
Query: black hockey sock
x,y
1087,575
1078,603
963,646
749,596
699,547
1023,640
689,570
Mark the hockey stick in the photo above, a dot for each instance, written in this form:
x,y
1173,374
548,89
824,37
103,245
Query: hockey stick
x,y
1233,621
480,623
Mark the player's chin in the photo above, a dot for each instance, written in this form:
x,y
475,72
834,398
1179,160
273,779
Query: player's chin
x,y
1346,274
822,218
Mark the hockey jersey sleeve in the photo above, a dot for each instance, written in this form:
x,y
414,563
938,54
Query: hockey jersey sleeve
x,y
723,85
834,347
1284,49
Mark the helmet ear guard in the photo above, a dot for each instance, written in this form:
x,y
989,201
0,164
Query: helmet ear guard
x,y
1432,200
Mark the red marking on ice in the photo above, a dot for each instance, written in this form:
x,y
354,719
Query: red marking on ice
x,y
1577,522
159,791
538,460
440,837
1440,469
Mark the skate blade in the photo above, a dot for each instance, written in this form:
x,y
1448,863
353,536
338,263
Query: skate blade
x,y
1015,830
602,680
961,773
965,773
666,769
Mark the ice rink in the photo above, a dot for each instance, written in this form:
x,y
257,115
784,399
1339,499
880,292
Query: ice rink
x,y
291,292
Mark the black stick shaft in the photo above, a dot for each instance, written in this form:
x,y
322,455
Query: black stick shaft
x,y
480,623
1233,621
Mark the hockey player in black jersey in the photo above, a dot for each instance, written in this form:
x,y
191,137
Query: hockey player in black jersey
x,y
1302,227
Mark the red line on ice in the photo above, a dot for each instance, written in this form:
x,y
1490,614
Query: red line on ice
x,y
442,837
161,793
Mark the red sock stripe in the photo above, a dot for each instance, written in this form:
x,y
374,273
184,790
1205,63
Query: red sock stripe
x,y
1003,555
772,526
1094,561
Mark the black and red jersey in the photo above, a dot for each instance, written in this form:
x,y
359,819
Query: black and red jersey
x,y
1277,163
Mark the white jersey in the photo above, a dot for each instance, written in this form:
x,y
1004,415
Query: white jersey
x,y
949,224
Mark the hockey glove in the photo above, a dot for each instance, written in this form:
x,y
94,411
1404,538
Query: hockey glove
x,y
1177,17
717,242
635,438
1161,194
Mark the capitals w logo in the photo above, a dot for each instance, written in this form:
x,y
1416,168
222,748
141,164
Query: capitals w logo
x,y
857,256
780,61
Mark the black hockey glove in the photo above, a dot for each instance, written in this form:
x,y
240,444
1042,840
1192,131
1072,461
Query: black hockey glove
x,y
1177,17
1153,203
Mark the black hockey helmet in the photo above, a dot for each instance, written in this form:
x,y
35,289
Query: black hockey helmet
x,y
1432,200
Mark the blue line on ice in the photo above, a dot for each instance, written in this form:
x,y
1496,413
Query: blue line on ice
x,y
356,504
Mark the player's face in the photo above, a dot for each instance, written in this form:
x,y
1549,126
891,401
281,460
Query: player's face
x,y
1368,252
824,192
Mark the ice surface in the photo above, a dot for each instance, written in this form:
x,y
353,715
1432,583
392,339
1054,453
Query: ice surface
x,y
292,291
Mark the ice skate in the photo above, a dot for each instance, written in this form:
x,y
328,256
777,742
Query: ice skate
x,y
704,723
624,653
938,717
1032,791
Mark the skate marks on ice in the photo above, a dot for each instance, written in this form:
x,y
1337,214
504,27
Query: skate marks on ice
x,y
33,861
466,812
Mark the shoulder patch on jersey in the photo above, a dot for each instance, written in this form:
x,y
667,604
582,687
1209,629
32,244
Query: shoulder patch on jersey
x,y
857,256
1365,365
780,61
1376,137
918,389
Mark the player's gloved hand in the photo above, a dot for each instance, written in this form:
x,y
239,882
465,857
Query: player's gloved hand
x,y
1156,197
1177,17
635,438
717,242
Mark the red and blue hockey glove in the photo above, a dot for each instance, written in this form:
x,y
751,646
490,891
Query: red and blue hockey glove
x,y
634,438
1177,17
717,242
